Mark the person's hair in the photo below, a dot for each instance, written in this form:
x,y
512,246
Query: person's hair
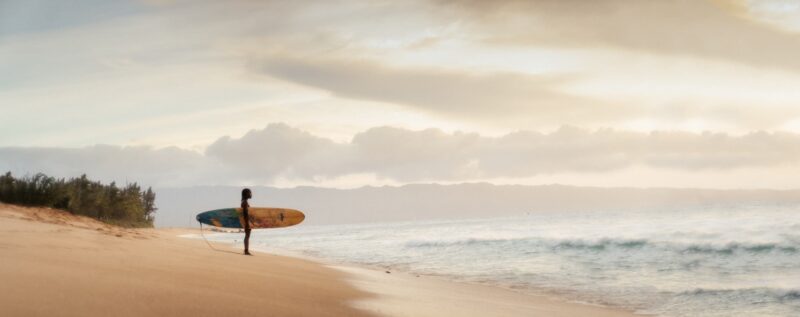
x,y
246,193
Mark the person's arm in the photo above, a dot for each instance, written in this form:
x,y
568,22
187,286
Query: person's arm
x,y
246,214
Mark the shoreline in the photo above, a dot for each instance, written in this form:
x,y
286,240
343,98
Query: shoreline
x,y
403,294
406,294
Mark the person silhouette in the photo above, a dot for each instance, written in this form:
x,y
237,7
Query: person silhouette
x,y
246,194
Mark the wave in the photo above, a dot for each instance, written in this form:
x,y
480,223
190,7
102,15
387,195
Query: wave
x,y
458,242
761,293
602,244
735,247
606,244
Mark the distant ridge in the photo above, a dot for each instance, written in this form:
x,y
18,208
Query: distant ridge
x,y
177,206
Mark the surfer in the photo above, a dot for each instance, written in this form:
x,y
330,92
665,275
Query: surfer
x,y
246,194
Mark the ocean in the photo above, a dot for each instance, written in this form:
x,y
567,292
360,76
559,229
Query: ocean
x,y
716,260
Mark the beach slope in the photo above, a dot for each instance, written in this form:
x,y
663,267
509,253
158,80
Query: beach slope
x,y
57,264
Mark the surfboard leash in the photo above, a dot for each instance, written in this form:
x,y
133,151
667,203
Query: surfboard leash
x,y
204,237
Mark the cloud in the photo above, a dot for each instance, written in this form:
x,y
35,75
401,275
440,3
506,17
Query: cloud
x,y
278,150
717,30
434,155
283,152
462,94
145,165
781,14
726,97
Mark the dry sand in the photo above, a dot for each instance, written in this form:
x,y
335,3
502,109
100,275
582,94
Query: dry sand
x,y
56,264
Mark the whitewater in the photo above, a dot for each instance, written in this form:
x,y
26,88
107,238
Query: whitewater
x,y
717,260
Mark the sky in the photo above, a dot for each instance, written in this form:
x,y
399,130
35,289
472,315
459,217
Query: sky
x,y
673,93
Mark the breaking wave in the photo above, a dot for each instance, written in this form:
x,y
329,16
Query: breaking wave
x,y
608,244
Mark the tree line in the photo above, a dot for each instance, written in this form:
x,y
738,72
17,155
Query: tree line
x,y
128,206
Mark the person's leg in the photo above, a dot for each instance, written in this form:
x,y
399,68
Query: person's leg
x,y
247,241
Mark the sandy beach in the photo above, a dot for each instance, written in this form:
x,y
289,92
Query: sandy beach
x,y
57,264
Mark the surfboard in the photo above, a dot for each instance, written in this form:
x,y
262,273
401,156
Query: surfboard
x,y
259,217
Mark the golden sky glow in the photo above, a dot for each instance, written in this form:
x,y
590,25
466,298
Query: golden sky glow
x,y
160,74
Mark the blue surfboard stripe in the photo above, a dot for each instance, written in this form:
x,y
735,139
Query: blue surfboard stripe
x,y
227,217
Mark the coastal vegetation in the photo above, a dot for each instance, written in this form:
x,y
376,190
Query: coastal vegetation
x,y
128,206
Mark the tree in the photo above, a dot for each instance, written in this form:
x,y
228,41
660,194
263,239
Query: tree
x,y
127,206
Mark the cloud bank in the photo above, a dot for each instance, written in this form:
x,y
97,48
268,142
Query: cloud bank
x,y
281,151
711,29
505,98
457,93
